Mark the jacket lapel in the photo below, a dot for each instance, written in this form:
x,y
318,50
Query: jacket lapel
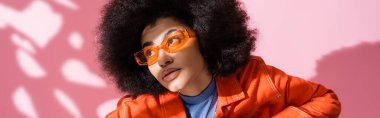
x,y
253,80
171,105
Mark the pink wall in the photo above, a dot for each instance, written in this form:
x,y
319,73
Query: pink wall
x,y
333,42
49,66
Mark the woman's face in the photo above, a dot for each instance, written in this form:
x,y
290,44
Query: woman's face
x,y
185,70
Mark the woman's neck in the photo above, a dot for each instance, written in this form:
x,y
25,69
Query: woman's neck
x,y
198,84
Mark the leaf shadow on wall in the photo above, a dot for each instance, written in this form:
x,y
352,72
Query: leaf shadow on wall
x,y
353,73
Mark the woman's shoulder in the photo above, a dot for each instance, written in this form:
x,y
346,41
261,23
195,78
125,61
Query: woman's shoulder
x,y
256,66
256,70
127,104
146,105
130,100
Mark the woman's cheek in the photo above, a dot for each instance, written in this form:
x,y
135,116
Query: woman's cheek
x,y
154,70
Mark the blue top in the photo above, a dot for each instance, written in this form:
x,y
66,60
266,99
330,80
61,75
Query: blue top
x,y
202,105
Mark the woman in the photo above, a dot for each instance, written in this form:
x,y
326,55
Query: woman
x,y
191,58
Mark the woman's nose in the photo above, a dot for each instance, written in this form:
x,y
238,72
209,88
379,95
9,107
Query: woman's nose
x,y
164,59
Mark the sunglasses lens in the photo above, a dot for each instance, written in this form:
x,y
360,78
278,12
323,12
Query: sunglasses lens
x,y
141,57
175,41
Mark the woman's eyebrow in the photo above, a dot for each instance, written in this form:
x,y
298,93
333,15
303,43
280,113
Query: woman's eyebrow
x,y
170,31
151,43
147,44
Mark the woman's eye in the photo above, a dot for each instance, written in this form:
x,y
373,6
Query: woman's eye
x,y
149,53
174,41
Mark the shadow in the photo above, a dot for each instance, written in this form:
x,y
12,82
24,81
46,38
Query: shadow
x,y
51,58
353,73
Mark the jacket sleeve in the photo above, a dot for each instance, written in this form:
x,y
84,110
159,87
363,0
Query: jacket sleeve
x,y
304,98
113,114
121,110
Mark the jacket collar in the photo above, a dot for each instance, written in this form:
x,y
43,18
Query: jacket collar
x,y
171,105
229,90
254,78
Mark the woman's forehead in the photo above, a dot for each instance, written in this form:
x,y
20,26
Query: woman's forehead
x,y
156,32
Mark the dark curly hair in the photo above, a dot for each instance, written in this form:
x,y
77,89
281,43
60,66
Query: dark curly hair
x,y
225,41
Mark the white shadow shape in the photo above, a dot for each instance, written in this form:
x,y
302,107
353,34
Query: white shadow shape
x,y
76,40
2,23
38,21
22,43
67,103
75,71
29,65
23,102
68,3
106,107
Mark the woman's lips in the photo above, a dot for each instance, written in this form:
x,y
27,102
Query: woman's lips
x,y
171,75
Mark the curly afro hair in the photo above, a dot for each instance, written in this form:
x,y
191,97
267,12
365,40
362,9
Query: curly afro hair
x,y
225,41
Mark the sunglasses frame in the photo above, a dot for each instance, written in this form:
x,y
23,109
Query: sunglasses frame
x,y
188,33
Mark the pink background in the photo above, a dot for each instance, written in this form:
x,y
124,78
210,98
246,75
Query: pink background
x,y
49,66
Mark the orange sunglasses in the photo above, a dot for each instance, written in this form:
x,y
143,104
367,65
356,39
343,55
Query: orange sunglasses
x,y
172,43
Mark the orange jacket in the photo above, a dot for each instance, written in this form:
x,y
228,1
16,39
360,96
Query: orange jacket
x,y
255,90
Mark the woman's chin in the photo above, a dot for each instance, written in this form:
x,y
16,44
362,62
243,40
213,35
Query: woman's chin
x,y
174,87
